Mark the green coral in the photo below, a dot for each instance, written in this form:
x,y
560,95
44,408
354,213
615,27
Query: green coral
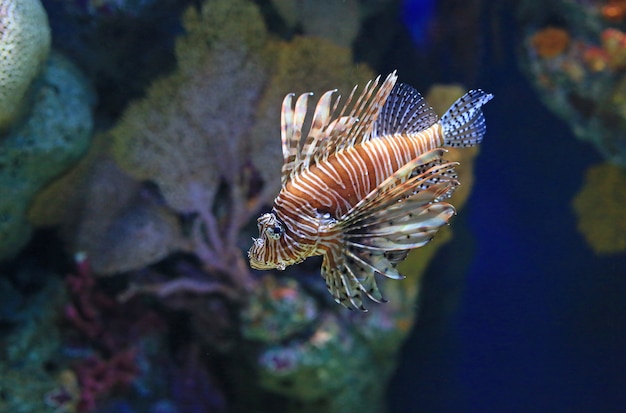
x,y
277,310
26,351
54,136
600,209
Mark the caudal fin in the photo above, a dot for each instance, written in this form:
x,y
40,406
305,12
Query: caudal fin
x,y
464,124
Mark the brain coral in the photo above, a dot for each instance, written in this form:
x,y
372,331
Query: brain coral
x,y
24,47
600,208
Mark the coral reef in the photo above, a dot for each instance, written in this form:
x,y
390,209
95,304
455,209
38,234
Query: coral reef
x,y
162,311
52,138
600,209
24,47
30,344
578,67
118,335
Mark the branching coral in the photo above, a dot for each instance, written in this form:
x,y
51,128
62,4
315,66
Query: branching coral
x,y
117,334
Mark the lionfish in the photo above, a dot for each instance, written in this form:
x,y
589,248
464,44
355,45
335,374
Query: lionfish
x,y
366,185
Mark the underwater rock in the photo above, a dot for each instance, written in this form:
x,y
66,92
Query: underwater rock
x,y
24,47
600,209
52,138
578,67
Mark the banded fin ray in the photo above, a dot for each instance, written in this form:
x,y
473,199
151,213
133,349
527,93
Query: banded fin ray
x,y
332,129
319,125
401,214
291,123
405,111
366,110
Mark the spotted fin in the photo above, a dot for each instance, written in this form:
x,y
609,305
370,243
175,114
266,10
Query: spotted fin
x,y
464,124
405,111
403,213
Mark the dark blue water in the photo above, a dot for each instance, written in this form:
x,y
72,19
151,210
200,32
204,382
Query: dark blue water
x,y
532,321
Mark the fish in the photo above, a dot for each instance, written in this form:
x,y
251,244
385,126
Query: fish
x,y
366,184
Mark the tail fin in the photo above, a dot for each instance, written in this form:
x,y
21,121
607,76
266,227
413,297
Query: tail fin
x,y
464,124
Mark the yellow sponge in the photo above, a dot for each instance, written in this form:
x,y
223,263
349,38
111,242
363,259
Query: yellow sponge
x,y
24,46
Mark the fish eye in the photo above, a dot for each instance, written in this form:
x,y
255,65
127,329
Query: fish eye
x,y
275,232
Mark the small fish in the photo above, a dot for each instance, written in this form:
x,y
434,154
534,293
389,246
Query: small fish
x,y
366,185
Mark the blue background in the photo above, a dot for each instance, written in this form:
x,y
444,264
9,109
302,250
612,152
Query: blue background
x,y
518,314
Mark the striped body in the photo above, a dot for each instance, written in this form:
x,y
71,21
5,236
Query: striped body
x,y
366,185
336,185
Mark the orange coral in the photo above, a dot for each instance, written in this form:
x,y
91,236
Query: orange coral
x,y
596,58
550,42
614,43
614,11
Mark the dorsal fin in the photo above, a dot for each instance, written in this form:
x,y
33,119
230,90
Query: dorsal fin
x,y
405,111
363,113
320,125
291,122
331,129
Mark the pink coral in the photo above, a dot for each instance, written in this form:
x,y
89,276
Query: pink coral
x,y
111,329
98,377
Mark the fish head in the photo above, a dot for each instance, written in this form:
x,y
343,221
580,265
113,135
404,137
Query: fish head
x,y
268,251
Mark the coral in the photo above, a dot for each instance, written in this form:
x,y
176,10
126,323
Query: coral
x,y
115,332
24,47
580,79
614,44
550,42
107,214
207,134
30,343
600,209
614,10
278,309
304,345
98,377
195,159
302,369
53,137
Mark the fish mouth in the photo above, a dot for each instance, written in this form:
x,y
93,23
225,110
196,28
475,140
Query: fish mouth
x,y
259,265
